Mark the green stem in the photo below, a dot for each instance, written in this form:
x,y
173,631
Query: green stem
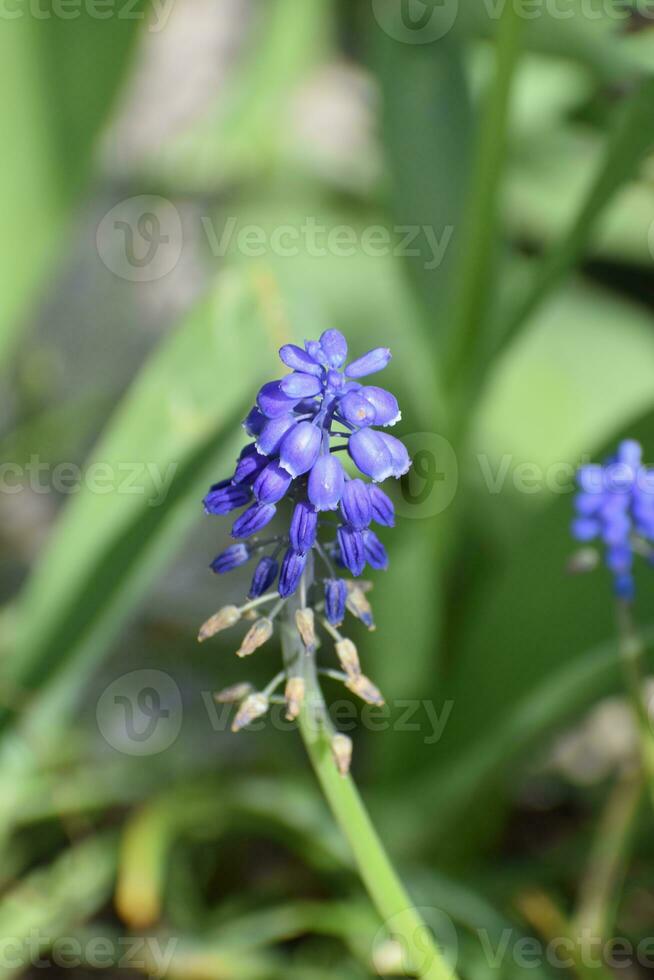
x,y
632,651
474,279
400,916
602,882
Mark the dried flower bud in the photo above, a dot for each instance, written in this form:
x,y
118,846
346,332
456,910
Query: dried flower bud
x,y
349,658
360,607
253,707
342,752
294,697
304,620
233,694
388,958
255,637
363,687
584,560
222,620
363,584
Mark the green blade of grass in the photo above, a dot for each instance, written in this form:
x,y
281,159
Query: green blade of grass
x,y
631,139
478,249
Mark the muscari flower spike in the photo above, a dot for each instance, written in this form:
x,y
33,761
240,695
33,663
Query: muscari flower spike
x,y
291,470
615,506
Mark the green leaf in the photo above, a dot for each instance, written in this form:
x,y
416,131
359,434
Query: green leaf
x,y
475,291
561,374
427,133
175,423
81,61
30,195
537,647
247,132
52,900
631,138
595,42
66,71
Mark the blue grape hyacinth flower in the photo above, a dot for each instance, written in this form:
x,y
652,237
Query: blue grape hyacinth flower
x,y
298,427
615,506
305,519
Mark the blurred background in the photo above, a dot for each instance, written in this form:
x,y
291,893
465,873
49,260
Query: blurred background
x,y
186,185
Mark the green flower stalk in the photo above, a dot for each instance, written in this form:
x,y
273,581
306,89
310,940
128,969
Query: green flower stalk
x,y
298,426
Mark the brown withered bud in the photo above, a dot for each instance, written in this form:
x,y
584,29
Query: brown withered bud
x,y
294,695
233,694
342,752
364,688
255,637
584,560
359,606
253,707
304,620
222,620
349,658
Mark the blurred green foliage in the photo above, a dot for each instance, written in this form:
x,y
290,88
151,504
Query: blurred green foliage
x,y
526,150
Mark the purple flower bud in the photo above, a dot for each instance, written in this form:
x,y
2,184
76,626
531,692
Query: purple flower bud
x,y
304,525
224,496
308,406
387,410
625,587
254,422
335,382
371,454
335,599
356,409
253,519
616,529
356,507
334,346
375,360
264,575
631,453
383,510
299,360
299,449
273,402
291,572
249,465
314,349
400,459
273,432
591,478
619,558
326,483
299,385
587,504
230,558
585,529
352,548
271,484
619,477
375,551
